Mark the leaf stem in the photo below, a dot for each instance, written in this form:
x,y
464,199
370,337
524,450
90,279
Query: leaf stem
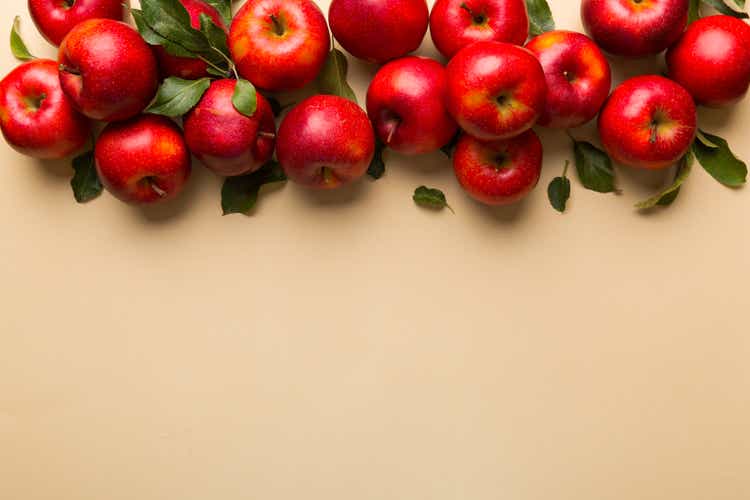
x,y
217,68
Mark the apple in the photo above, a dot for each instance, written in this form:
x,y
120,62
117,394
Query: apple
x,y
454,24
648,122
142,160
226,141
634,28
578,77
279,44
55,18
325,142
379,30
712,60
35,116
406,104
107,70
495,90
498,172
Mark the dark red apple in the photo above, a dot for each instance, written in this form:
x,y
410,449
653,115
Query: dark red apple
x,y
55,18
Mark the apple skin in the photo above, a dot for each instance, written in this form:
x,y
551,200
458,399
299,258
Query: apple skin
x,y
325,142
495,90
379,30
107,70
454,24
406,104
648,122
285,61
578,77
35,116
634,28
225,140
143,160
498,172
54,19
712,60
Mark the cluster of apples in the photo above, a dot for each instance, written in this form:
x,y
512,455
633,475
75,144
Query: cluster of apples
x,y
192,59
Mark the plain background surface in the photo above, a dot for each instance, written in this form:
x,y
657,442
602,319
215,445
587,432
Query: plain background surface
x,y
353,346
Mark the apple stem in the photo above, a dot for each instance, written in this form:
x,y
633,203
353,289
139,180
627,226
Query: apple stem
x,y
652,137
156,188
277,26
392,126
477,18
267,135
67,69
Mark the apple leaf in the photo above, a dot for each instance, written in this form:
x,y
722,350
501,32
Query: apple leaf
x,y
558,190
667,196
430,198
594,167
721,6
377,165
17,45
85,183
719,161
240,194
332,78
153,38
224,7
177,96
540,17
245,98
216,37
694,10
170,19
451,146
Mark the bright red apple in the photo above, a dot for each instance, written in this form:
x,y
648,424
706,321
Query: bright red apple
x,y
634,28
578,77
379,30
107,70
495,90
35,116
142,160
325,142
226,141
712,60
55,18
455,24
406,104
279,44
648,122
498,172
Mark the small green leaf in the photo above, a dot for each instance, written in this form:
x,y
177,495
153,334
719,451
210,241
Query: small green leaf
x,y
216,36
85,183
224,7
704,140
177,96
332,78
245,98
240,194
170,19
740,3
377,165
667,196
153,38
594,167
451,146
720,162
540,17
558,190
722,7
17,45
430,198
694,10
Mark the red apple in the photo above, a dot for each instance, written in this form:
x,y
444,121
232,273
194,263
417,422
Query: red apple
x,y
142,160
325,142
279,44
498,172
648,122
712,60
379,30
35,116
406,103
578,77
107,70
55,18
454,24
634,28
495,90
226,141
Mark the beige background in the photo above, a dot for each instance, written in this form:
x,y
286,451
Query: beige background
x,y
354,346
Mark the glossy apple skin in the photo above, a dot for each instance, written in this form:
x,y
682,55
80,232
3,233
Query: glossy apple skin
x,y
55,19
712,60
578,77
634,29
379,30
284,61
54,129
454,24
143,160
325,142
648,122
406,104
188,68
225,140
112,73
498,172
495,90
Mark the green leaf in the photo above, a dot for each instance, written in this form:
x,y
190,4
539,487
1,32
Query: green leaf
x,y
430,198
171,20
177,96
245,98
85,183
720,162
558,190
377,165
451,146
240,194
153,38
332,78
740,3
17,46
667,196
216,37
224,7
704,140
722,7
594,167
694,10
540,17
